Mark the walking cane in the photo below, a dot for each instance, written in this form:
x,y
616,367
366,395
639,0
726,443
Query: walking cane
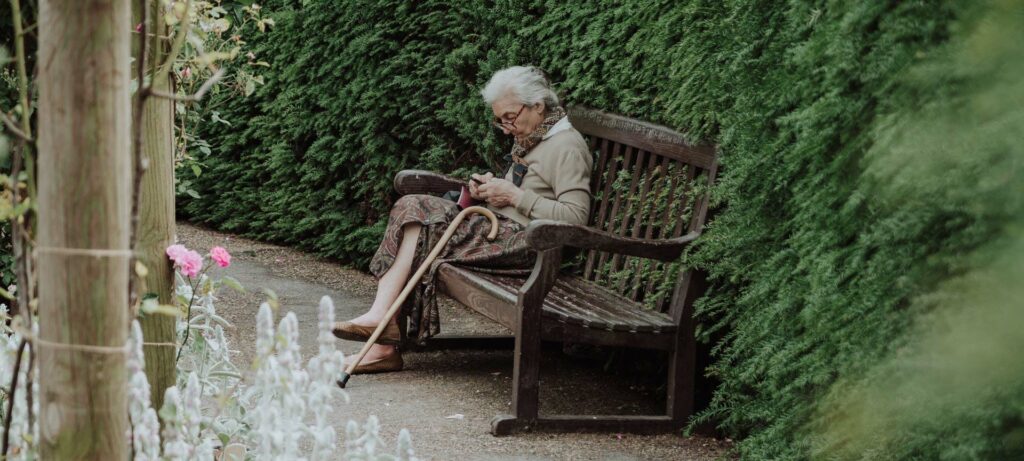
x,y
415,279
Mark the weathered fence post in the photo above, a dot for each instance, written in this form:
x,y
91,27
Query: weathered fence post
x,y
84,202
156,208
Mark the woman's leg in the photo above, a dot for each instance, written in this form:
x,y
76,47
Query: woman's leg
x,y
388,288
391,283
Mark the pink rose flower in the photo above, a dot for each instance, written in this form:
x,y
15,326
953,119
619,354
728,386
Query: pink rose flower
x,y
187,261
176,251
220,256
191,264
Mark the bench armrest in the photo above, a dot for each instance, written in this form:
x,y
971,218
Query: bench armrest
x,y
545,234
425,182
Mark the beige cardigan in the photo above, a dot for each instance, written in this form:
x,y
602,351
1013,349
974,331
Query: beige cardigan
x,y
557,181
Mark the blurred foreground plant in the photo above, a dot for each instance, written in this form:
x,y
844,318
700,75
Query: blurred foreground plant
x,y
955,387
280,410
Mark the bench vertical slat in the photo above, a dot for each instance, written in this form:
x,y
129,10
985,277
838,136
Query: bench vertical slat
x,y
609,171
689,285
620,262
667,221
658,220
605,212
595,179
700,208
676,172
609,224
594,145
686,198
669,184
656,181
628,214
642,221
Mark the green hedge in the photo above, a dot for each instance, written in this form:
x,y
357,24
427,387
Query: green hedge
x,y
355,94
815,268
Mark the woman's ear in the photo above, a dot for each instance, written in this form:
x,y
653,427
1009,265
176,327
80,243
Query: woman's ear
x,y
540,107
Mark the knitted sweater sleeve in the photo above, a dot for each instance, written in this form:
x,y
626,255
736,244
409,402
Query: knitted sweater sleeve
x,y
569,178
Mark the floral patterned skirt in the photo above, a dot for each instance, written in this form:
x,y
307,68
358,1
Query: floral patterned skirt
x,y
468,247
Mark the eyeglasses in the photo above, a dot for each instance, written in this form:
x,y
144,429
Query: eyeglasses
x,y
501,124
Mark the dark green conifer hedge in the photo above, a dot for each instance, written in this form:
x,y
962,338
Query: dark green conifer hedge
x,y
817,273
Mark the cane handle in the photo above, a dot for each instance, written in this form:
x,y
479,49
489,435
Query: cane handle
x,y
490,216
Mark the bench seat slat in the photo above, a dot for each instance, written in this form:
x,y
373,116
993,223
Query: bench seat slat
x,y
579,301
591,305
573,301
614,321
555,306
602,299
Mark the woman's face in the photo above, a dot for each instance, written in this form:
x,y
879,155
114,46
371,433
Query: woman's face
x,y
515,118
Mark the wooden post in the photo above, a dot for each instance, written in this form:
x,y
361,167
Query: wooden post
x,y
84,123
156,211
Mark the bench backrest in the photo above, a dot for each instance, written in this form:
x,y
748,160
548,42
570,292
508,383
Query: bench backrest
x,y
648,182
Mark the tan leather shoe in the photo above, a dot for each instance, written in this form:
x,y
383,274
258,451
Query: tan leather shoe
x,y
392,362
347,330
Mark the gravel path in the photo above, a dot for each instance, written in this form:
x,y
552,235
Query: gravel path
x,y
446,399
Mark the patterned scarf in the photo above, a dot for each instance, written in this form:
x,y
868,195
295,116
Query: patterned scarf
x,y
525,144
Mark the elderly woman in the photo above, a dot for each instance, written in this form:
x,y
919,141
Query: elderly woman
x,y
548,178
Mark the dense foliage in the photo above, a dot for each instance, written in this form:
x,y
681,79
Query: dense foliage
x,y
822,250
9,102
356,93
945,165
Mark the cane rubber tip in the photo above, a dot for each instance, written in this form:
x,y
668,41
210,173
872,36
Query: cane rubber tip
x,y
344,380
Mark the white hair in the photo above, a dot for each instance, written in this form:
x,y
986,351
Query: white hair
x,y
526,83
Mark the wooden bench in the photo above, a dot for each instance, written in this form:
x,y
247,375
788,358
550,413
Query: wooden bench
x,y
649,188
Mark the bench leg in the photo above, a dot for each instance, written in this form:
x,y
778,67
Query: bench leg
x,y
525,382
682,378
526,368
680,402
681,385
682,370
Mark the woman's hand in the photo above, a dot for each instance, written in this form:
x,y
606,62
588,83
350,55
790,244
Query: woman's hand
x,y
474,187
499,193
